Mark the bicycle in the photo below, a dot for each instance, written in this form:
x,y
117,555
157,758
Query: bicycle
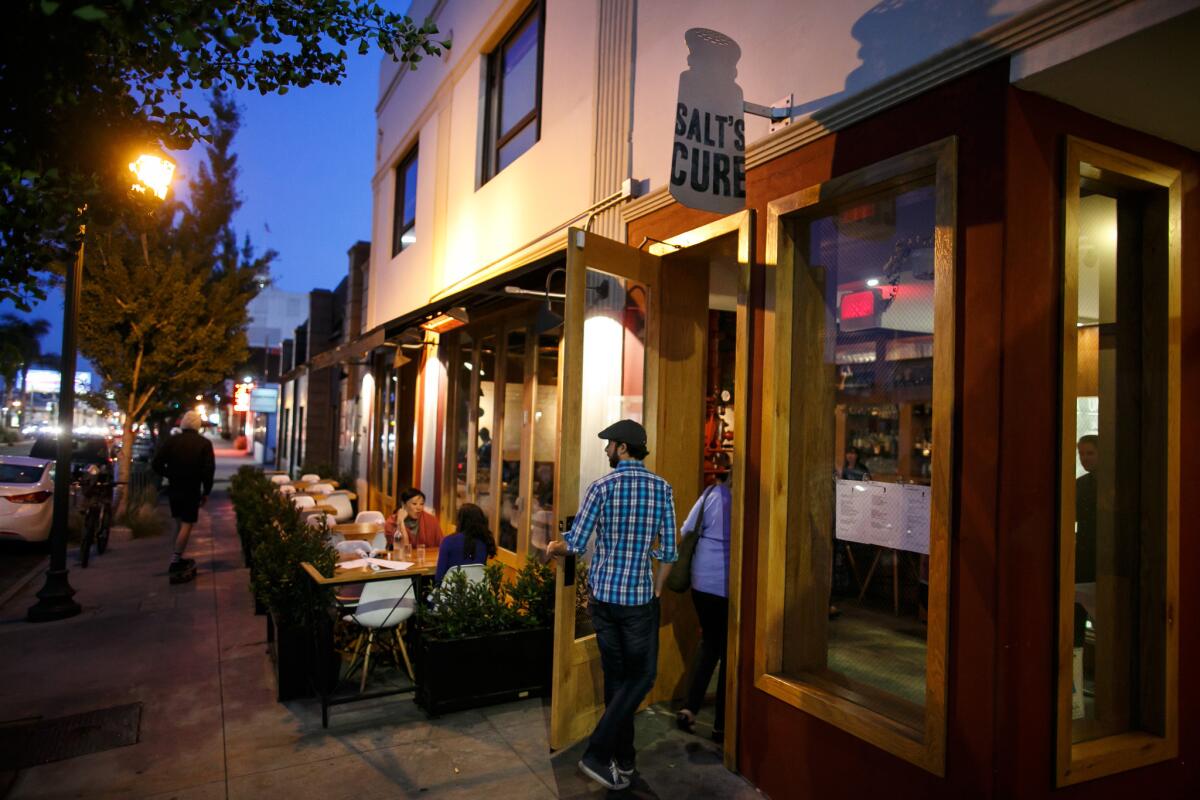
x,y
96,491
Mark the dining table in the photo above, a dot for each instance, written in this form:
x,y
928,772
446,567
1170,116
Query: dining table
x,y
419,566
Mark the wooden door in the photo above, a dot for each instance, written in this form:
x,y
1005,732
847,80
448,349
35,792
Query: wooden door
x,y
628,352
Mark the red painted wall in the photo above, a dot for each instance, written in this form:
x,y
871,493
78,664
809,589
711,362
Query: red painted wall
x,y
1003,568
1037,131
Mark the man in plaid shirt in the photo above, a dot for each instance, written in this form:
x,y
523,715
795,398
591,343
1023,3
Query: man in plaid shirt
x,y
631,511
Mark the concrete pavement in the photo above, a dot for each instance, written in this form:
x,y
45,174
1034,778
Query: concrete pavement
x,y
195,656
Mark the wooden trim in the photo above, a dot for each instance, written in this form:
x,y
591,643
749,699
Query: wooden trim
x,y
741,223
924,746
1083,761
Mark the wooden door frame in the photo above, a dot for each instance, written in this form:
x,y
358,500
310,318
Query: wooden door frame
x,y
741,223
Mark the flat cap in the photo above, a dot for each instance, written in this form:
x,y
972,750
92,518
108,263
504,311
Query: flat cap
x,y
626,431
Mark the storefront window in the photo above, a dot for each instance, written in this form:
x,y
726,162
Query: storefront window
x,y
1119,460
485,415
512,504
464,454
614,363
863,371
545,443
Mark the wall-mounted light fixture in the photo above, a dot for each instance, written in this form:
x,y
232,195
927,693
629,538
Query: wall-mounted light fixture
x,y
448,320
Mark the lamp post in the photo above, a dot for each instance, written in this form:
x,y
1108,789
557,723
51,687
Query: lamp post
x,y
56,597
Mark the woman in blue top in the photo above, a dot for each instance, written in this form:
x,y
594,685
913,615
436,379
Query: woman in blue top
x,y
710,518
471,543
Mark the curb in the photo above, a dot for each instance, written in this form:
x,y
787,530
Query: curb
x,y
22,582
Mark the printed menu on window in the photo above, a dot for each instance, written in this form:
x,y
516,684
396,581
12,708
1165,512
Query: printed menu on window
x,y
884,514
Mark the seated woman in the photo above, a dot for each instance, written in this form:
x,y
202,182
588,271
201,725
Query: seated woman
x,y
472,543
419,526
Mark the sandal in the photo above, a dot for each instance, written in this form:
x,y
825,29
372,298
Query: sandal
x,y
686,721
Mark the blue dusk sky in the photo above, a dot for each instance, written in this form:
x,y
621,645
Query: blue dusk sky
x,y
306,160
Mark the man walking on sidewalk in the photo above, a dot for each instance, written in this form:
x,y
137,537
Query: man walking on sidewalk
x,y
186,460
627,510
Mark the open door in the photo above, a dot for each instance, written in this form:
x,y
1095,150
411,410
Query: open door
x,y
626,354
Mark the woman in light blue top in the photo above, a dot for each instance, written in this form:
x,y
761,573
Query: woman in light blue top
x,y
710,518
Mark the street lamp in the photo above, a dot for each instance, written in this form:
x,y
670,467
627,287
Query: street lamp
x,y
56,598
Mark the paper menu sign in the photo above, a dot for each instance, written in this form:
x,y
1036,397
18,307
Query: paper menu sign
x,y
885,514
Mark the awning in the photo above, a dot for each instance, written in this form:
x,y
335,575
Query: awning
x,y
348,351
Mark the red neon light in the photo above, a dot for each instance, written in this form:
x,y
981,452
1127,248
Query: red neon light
x,y
858,305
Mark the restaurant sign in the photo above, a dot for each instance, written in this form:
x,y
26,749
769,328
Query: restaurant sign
x,y
708,160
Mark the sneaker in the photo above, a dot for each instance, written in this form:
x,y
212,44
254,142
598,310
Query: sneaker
x,y
606,775
625,768
176,566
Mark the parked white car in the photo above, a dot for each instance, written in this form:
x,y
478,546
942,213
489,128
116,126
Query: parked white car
x,y
26,489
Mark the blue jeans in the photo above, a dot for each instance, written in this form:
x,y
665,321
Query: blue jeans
x,y
628,640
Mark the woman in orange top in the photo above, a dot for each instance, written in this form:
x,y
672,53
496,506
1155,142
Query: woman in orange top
x,y
418,525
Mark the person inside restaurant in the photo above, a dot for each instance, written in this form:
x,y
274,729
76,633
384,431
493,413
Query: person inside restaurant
x,y
420,528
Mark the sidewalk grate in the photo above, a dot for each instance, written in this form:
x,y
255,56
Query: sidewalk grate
x,y
30,744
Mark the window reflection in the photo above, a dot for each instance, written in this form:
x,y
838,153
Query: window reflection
x,y
545,443
485,415
868,394
511,501
463,372
614,363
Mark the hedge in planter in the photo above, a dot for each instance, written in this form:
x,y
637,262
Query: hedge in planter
x,y
298,607
508,628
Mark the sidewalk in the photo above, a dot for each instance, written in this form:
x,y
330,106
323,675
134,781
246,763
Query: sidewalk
x,y
195,657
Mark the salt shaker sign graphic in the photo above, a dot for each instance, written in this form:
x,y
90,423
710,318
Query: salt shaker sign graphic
x,y
708,161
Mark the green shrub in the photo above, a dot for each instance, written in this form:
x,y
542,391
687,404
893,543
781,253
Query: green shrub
x,y
280,546
458,608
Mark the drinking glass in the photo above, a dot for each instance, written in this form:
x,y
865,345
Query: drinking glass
x,y
420,554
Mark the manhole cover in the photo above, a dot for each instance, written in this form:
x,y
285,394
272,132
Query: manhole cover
x,y
32,743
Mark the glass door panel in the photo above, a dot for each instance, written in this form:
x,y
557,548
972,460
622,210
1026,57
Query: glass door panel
x,y
512,434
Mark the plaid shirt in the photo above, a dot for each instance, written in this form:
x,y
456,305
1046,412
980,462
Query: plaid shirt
x,y
626,509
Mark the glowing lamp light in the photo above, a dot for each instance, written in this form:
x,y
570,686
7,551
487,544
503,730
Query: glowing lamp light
x,y
153,173
447,320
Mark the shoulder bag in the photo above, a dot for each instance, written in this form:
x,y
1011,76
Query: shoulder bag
x,y
680,579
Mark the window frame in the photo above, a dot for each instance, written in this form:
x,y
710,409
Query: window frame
x,y
1083,761
499,326
924,747
493,138
399,209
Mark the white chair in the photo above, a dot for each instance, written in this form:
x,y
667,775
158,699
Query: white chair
x,y
474,572
355,547
310,478
383,606
369,516
314,520
279,480
303,501
334,539
341,501
286,489
379,542
322,488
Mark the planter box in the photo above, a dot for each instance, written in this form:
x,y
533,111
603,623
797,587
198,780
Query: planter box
x,y
290,648
303,657
450,677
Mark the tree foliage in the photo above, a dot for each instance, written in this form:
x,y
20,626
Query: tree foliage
x,y
86,85
163,305
20,349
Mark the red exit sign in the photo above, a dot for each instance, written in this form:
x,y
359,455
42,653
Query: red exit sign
x,y
859,311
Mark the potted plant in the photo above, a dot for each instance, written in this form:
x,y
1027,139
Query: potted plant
x,y
298,608
508,628
250,491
